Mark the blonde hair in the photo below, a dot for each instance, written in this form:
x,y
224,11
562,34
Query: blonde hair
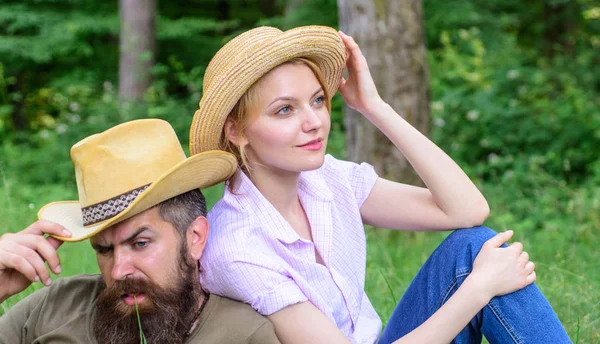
x,y
241,118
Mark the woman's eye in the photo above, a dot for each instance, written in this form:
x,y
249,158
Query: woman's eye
x,y
320,100
286,110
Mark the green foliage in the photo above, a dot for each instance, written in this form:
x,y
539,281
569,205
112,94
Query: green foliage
x,y
515,101
502,108
311,12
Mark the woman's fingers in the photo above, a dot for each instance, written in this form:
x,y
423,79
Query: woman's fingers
x,y
352,45
342,83
517,247
343,36
499,239
531,278
529,268
354,56
524,257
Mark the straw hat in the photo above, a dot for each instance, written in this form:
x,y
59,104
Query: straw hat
x,y
128,169
249,56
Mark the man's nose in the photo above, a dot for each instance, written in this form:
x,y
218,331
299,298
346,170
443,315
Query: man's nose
x,y
122,265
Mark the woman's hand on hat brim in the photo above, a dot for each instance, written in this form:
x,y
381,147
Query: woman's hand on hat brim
x,y
359,90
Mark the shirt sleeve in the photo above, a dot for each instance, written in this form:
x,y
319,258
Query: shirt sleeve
x,y
360,177
264,335
257,281
13,324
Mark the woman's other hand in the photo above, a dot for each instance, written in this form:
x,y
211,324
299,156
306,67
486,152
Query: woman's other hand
x,y
359,90
502,270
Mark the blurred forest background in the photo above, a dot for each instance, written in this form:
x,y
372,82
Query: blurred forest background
x,y
511,92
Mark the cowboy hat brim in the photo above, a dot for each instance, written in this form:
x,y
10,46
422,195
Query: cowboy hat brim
x,y
320,44
196,172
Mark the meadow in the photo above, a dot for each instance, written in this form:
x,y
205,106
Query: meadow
x,y
566,254
514,100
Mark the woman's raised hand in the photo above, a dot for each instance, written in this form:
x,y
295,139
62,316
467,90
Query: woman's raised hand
x,y
502,270
358,89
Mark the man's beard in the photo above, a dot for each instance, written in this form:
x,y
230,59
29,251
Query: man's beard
x,y
165,315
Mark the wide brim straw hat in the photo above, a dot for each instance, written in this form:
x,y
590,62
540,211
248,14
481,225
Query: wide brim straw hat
x,y
246,58
128,169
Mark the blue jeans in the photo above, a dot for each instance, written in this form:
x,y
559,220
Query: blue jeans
x,y
524,316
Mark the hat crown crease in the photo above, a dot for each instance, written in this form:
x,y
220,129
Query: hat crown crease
x,y
140,161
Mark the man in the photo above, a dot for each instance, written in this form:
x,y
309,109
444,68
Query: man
x,y
141,207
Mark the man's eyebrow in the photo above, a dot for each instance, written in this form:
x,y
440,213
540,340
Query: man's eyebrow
x,y
132,236
98,247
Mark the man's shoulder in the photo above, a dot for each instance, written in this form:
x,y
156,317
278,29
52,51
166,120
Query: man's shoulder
x,y
59,313
235,322
69,297
78,288
72,295
74,286
79,281
236,313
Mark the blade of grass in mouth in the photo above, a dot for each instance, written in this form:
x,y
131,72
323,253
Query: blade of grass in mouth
x,y
137,312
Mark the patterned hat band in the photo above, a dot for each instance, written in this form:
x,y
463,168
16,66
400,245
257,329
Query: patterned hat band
x,y
110,208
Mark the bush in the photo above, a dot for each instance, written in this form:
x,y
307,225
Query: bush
x,y
501,114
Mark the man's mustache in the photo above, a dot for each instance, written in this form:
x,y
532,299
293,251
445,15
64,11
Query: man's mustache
x,y
111,296
130,286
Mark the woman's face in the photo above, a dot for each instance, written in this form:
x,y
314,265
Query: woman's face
x,y
290,121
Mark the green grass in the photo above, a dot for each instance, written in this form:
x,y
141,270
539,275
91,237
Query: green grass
x,y
566,254
137,312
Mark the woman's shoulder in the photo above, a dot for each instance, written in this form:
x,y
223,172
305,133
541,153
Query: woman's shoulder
x,y
348,179
227,209
343,171
234,230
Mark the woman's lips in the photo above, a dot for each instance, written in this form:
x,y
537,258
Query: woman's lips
x,y
313,145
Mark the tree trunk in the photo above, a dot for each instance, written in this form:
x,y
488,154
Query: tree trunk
x,y
137,47
290,7
19,118
559,27
268,8
223,6
391,36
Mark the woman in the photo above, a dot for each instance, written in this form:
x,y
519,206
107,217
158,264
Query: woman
x,y
288,235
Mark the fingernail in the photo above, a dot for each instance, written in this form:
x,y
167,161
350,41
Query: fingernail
x,y
66,232
37,278
58,269
48,282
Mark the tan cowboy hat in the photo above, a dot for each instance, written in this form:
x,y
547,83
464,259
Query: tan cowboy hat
x,y
249,56
128,169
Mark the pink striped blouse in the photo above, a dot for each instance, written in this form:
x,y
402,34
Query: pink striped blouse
x,y
255,256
